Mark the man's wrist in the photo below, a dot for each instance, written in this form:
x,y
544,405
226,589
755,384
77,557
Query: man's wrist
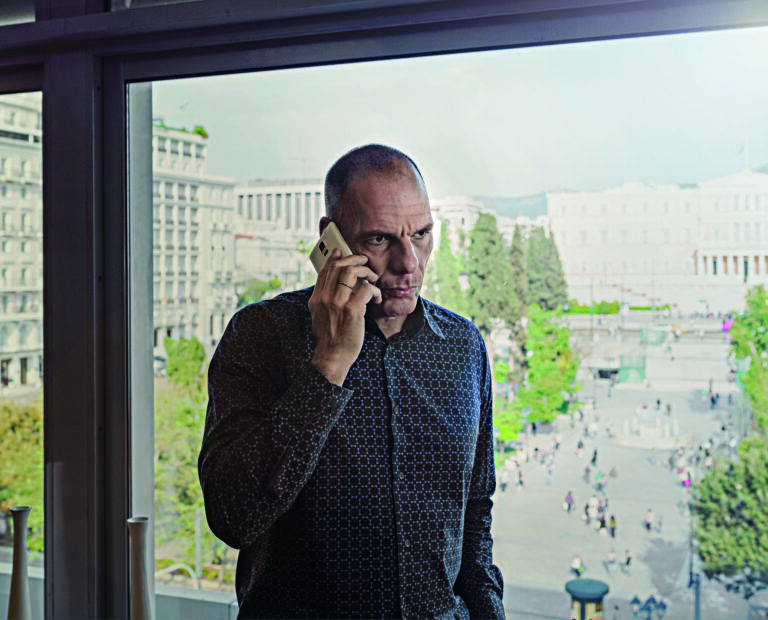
x,y
332,369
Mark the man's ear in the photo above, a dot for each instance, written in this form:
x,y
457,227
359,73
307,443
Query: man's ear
x,y
324,221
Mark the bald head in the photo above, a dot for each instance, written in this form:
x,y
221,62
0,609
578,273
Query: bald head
x,y
357,164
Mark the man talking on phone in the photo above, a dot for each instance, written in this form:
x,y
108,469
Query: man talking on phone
x,y
348,448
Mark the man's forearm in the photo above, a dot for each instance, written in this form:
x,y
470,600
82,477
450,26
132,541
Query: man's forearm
x,y
254,462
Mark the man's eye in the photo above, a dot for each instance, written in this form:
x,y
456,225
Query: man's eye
x,y
421,234
377,240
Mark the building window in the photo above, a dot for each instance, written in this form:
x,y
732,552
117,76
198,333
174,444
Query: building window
x,y
259,215
250,207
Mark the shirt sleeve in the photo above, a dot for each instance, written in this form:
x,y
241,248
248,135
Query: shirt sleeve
x,y
479,582
266,424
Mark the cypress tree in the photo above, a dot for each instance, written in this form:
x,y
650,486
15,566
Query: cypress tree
x,y
449,293
546,280
491,278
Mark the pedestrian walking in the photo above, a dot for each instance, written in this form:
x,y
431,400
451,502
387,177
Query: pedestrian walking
x,y
587,471
610,562
626,566
568,503
579,447
648,520
612,525
669,409
594,457
577,566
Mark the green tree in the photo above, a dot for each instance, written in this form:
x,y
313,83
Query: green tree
x,y
546,280
551,366
520,277
447,270
491,293
507,419
180,406
255,290
749,332
179,420
749,339
21,455
186,362
731,522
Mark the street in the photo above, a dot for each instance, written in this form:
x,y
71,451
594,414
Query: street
x,y
535,539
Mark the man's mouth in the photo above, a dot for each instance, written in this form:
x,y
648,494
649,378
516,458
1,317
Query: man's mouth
x,y
398,292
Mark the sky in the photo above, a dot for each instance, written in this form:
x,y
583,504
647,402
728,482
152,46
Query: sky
x,y
584,116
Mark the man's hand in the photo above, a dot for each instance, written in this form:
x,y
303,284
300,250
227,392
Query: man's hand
x,y
338,313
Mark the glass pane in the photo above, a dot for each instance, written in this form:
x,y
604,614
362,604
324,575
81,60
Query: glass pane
x,y
17,11
119,5
623,187
21,334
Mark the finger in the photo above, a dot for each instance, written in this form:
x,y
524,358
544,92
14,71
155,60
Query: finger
x,y
368,292
352,273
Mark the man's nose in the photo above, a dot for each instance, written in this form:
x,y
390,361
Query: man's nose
x,y
406,260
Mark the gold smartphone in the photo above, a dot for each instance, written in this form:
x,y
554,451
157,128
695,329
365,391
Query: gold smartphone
x,y
329,240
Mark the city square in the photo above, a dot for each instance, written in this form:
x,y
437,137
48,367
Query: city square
x,y
535,538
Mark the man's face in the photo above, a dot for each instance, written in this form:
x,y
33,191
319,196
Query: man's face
x,y
387,218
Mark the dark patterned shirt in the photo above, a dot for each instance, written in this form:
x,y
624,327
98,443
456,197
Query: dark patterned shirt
x,y
370,500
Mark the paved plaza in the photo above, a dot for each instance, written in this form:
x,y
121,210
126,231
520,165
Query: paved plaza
x,y
535,539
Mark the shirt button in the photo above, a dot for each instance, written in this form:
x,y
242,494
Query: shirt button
x,y
400,475
395,410
407,543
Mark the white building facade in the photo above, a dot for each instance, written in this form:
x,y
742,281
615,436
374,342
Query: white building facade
x,y
732,253
651,245
193,211
276,223
21,258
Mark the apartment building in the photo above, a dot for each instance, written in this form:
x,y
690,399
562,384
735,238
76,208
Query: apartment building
x,y
193,244
21,258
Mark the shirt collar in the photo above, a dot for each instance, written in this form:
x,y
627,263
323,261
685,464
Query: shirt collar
x,y
429,319
422,315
